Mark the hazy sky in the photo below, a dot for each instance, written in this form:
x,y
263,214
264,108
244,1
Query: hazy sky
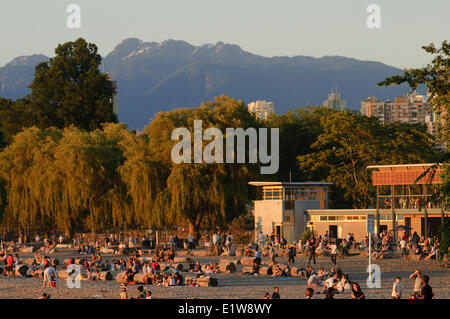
x,y
265,27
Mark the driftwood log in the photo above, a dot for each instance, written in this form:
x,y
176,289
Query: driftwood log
x,y
21,270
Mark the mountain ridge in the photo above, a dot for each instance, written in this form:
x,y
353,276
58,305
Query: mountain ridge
x,y
161,76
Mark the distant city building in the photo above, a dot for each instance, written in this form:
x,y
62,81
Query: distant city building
x,y
262,109
412,109
334,102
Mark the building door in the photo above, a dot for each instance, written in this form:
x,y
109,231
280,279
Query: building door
x,y
278,230
383,228
333,231
407,224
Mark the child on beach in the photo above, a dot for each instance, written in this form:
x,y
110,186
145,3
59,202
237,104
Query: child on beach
x,y
397,288
123,291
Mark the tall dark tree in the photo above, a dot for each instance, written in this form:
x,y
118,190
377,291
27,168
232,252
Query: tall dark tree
x,y
70,89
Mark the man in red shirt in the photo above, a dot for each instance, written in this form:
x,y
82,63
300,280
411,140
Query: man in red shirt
x,y
10,265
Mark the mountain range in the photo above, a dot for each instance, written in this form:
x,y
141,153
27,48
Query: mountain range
x,y
163,76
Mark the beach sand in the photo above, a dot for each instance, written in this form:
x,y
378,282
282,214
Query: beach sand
x,y
237,285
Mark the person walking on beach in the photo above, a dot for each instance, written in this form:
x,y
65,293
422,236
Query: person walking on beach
x,y
397,288
272,254
312,252
291,254
333,252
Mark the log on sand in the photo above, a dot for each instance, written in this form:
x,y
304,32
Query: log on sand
x,y
206,281
140,278
265,271
247,270
247,261
21,270
227,266
105,275
180,260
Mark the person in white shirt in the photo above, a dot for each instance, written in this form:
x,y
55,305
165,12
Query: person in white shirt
x,y
262,240
333,252
229,241
403,247
397,288
49,275
215,239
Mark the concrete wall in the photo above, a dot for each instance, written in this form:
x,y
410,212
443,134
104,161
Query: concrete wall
x,y
358,228
300,207
267,212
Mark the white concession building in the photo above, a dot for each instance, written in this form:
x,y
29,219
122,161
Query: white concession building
x,y
283,205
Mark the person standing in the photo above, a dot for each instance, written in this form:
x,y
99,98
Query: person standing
x,y
262,240
403,247
272,254
397,288
229,241
291,254
312,252
417,276
333,252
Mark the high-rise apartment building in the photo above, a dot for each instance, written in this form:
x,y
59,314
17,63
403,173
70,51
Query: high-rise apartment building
x,y
412,108
262,109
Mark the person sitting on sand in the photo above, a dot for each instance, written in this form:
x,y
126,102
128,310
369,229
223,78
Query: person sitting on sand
x,y
141,294
266,296
314,280
286,271
44,296
329,293
277,272
309,293
149,295
166,280
197,267
357,292
276,293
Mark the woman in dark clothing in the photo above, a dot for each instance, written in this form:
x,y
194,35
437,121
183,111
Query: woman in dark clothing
x,y
356,291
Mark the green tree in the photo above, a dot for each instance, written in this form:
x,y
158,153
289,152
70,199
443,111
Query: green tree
x,y
298,129
70,89
201,194
350,142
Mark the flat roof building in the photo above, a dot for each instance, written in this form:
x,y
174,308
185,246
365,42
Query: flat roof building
x,y
402,198
282,206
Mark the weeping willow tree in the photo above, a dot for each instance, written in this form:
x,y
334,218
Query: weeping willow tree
x,y
200,194
22,167
61,178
